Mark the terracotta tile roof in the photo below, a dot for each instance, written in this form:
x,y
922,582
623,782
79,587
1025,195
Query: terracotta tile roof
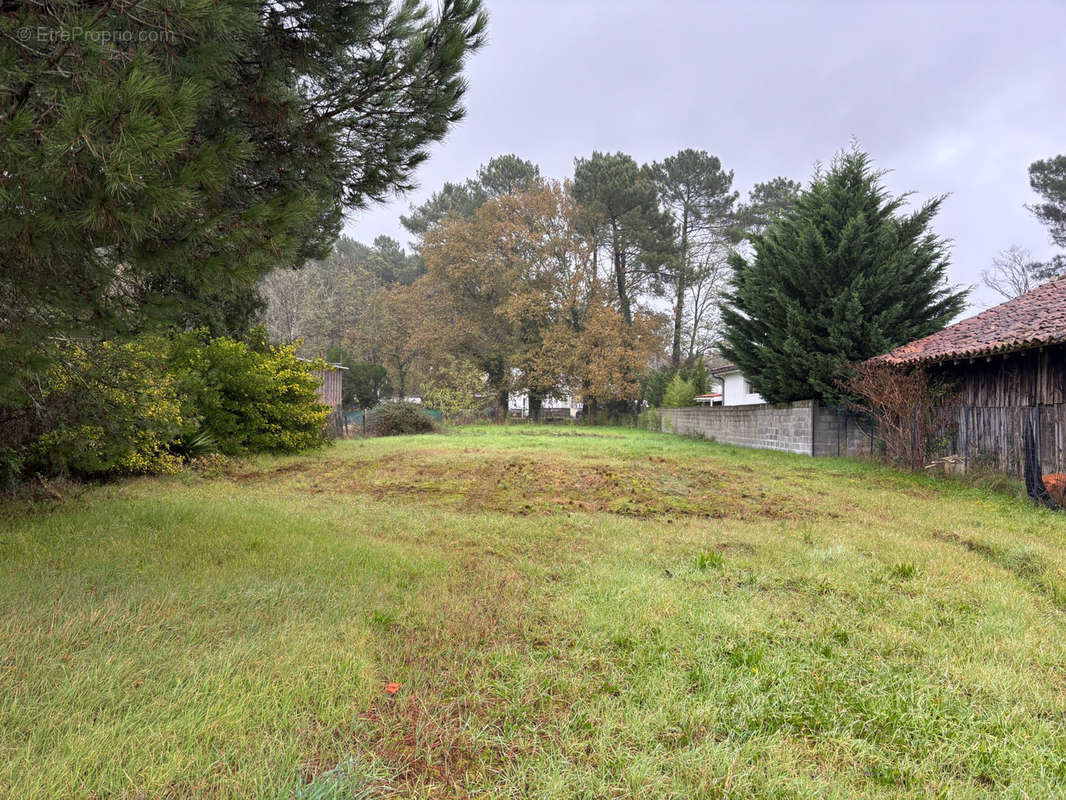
x,y
1033,319
714,361
723,369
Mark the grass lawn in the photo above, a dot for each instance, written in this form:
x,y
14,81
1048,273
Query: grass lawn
x,y
568,613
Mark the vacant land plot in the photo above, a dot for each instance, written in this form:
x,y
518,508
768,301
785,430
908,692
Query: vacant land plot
x,y
567,613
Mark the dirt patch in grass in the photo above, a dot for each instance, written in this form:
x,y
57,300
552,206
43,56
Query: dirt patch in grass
x,y
532,483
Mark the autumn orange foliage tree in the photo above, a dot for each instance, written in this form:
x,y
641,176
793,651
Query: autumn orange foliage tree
x,y
399,329
527,305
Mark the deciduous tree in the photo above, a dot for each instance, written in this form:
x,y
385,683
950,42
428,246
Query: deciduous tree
x,y
399,328
1015,272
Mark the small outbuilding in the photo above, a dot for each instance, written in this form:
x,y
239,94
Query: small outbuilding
x,y
331,393
1008,365
1011,355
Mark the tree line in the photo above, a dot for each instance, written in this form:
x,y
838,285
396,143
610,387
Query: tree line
x,y
592,286
614,281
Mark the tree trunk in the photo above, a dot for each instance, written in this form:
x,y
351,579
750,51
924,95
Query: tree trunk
x,y
535,403
679,303
502,395
618,254
620,281
679,312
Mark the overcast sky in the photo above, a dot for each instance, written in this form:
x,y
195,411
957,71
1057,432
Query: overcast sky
x,y
953,97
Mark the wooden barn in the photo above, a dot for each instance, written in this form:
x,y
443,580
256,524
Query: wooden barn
x,y
1009,367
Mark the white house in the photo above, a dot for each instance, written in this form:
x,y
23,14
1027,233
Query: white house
x,y
550,407
736,391
712,398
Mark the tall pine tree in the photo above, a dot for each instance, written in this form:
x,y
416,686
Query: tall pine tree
x,y
159,157
622,205
842,276
698,195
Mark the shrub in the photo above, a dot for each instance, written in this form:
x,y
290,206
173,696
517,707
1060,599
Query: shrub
x,y
106,408
898,397
369,384
10,467
144,406
654,386
679,393
649,420
249,397
454,389
399,418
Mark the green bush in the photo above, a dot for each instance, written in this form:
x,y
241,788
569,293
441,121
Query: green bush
x,y
147,405
370,384
454,389
249,397
649,420
656,384
679,393
399,418
104,409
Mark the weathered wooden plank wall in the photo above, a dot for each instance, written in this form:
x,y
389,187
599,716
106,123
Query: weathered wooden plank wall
x,y
1032,377
993,437
330,392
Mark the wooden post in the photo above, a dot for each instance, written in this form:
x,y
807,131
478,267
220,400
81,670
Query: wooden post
x,y
965,438
1036,437
914,439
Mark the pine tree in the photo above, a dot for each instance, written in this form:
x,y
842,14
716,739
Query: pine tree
x,y
158,158
501,176
841,277
698,195
1048,179
622,206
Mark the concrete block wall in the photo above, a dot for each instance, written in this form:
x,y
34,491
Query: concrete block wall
x,y
805,427
839,432
788,427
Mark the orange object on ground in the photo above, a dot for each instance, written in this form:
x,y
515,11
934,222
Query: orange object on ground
x,y
1056,487
392,688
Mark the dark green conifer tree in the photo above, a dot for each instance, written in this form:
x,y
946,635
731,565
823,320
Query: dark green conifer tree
x,y
842,276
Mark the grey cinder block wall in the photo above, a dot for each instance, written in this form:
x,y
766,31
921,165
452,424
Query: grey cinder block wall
x,y
805,427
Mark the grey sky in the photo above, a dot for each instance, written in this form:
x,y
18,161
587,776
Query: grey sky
x,y
953,97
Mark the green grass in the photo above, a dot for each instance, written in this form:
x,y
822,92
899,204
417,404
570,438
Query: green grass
x,y
569,613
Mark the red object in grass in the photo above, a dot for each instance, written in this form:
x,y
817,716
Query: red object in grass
x,y
392,688
1056,487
